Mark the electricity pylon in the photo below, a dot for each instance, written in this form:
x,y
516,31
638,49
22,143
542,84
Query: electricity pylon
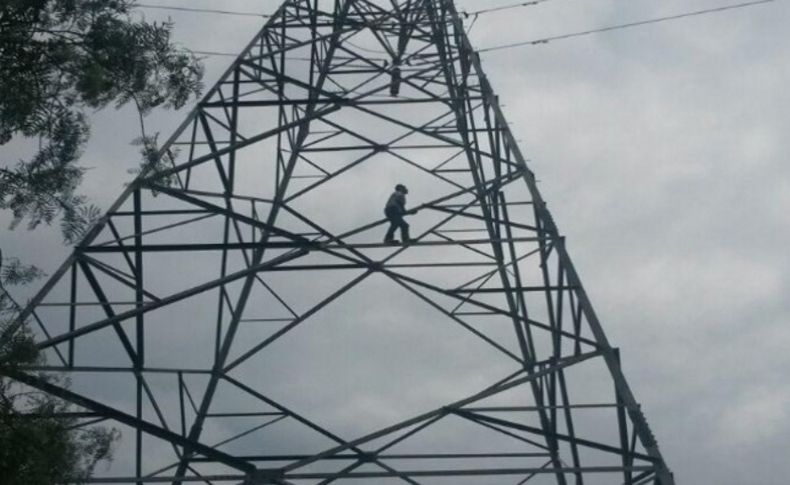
x,y
237,316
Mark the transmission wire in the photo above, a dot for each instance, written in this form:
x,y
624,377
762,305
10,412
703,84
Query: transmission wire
x,y
256,14
546,40
203,10
503,7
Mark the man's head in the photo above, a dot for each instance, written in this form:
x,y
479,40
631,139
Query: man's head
x,y
402,189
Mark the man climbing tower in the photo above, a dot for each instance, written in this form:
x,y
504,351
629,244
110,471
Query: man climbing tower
x,y
395,210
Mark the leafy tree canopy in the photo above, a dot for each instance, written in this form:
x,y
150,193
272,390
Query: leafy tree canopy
x,y
59,59
42,442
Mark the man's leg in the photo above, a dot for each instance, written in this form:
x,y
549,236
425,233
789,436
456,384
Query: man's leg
x,y
390,236
404,231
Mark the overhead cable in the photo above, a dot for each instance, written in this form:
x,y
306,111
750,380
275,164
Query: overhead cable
x,y
261,15
212,53
503,7
546,40
204,10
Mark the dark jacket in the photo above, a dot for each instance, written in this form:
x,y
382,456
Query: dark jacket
x,y
396,203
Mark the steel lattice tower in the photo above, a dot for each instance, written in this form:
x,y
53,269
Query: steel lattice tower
x,y
236,315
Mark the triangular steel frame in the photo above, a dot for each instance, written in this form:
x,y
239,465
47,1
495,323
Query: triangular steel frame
x,y
303,83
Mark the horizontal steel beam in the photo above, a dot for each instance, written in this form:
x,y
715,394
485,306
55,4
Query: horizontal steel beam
x,y
473,472
522,289
333,100
292,244
385,456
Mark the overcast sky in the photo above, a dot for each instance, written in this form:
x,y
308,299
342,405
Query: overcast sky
x,y
662,153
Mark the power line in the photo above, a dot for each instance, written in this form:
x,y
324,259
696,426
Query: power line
x,y
503,7
213,53
261,15
475,14
204,10
546,40
357,46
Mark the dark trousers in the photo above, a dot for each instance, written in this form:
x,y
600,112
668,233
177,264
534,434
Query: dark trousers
x,y
396,221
